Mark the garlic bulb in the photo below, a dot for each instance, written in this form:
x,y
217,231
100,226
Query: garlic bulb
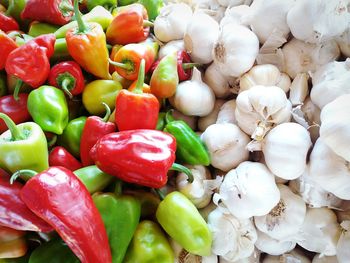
x,y
249,190
200,45
266,75
226,144
222,85
324,259
233,239
171,47
172,22
329,170
299,89
205,122
227,113
235,50
260,108
270,15
301,57
285,148
193,97
228,3
318,20
344,43
286,218
294,256
320,231
236,15
343,252
211,8
183,256
253,258
272,246
190,120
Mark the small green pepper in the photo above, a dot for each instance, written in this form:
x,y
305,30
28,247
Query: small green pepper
x,y
153,7
149,245
126,2
3,86
161,121
38,28
48,107
90,4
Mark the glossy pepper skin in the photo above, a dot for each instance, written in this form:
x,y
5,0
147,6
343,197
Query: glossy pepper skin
x,y
30,62
57,12
48,107
149,244
129,26
7,46
15,214
68,76
14,9
24,145
8,23
90,4
12,243
181,220
147,156
94,129
153,7
66,204
135,109
38,28
87,45
59,156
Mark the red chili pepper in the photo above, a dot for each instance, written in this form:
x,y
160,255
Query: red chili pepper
x,y
94,129
58,12
14,213
15,109
135,109
7,46
30,62
7,23
68,76
62,200
59,156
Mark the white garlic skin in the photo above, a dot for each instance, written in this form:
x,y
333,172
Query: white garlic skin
x,y
343,252
299,89
170,48
318,258
227,112
271,246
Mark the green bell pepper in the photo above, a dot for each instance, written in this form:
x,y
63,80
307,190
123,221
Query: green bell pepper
x,y
23,147
93,178
90,4
149,245
153,7
61,52
48,107
126,2
38,28
54,251
3,86
71,136
190,148
182,222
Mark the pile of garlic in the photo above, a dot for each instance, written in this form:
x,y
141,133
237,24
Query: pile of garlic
x,y
271,102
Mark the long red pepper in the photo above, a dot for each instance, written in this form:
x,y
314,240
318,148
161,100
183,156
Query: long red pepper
x,y
59,156
8,23
7,46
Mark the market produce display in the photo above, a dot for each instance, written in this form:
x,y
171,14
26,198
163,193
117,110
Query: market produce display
x,y
174,131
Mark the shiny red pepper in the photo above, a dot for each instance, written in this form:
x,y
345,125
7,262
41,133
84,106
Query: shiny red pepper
x,y
68,76
94,129
59,156
7,46
14,213
7,23
58,12
61,199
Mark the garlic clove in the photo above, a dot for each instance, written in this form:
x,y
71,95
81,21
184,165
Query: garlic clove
x,y
299,89
271,246
227,113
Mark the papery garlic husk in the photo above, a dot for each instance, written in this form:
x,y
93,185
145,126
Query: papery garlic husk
x,y
324,259
260,108
271,246
249,190
299,89
317,21
344,43
269,15
226,145
343,213
206,121
233,239
227,113
294,256
171,47
172,21
266,75
330,81
200,45
190,120
236,15
228,3
253,258
193,97
329,170
335,126
301,57
211,8
235,50
223,86
285,149
285,219
343,246
320,231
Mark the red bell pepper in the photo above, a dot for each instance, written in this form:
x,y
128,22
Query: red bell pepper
x,y
30,62
58,12
130,25
7,23
68,76
59,156
14,213
135,109
60,198
137,156
7,46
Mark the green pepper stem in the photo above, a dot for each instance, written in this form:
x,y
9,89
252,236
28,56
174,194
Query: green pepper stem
x,y
118,187
190,65
82,26
16,134
65,87
66,7
147,23
52,141
108,112
120,65
183,169
17,89
24,174
159,193
140,78
169,116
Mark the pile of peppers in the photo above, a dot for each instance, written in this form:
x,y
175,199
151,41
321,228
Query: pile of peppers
x,y
87,140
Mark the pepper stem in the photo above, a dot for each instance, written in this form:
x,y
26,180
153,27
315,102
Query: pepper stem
x,y
66,7
52,141
118,187
169,117
24,174
16,134
190,65
108,112
17,89
120,65
159,193
65,87
147,23
82,26
183,169
140,78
